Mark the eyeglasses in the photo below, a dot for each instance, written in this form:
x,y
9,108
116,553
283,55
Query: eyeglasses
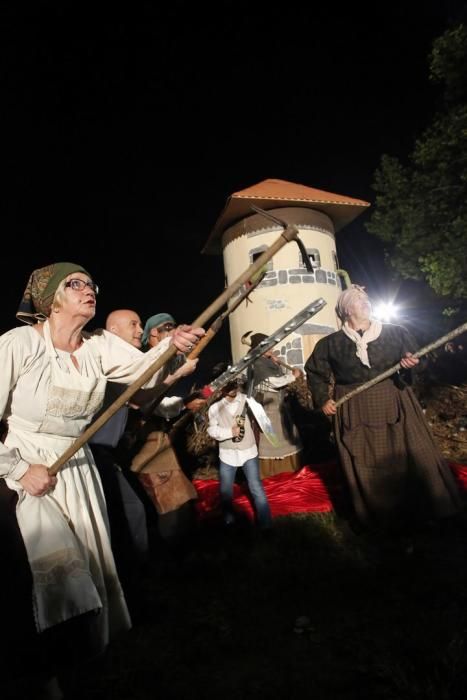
x,y
80,285
166,327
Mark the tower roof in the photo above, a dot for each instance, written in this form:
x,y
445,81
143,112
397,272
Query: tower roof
x,y
272,194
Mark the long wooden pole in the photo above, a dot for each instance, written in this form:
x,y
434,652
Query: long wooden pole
x,y
161,390
395,368
279,361
290,233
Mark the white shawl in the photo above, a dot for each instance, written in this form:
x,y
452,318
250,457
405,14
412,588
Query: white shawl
x,y
361,341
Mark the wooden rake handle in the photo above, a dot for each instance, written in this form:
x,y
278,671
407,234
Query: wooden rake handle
x,y
289,234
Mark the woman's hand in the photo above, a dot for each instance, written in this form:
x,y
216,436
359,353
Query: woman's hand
x,y
409,361
185,338
37,480
329,408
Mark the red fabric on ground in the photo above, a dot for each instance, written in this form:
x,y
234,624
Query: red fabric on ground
x,y
317,488
460,472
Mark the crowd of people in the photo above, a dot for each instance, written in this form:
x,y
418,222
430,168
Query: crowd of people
x,y
75,541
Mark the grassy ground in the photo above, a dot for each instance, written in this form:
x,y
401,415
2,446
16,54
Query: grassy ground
x,y
384,620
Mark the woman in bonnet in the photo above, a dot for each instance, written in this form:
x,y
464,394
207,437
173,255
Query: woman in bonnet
x,y
393,468
52,383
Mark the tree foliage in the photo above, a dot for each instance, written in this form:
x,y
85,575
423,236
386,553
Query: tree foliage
x,y
421,208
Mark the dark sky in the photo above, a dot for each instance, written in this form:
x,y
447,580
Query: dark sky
x,y
139,123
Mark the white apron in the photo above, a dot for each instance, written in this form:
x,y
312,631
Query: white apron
x,y
66,533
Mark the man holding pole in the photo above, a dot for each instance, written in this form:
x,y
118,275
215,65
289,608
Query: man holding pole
x,y
124,494
395,473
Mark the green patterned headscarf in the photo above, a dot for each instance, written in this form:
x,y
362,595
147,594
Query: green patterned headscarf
x,y
40,290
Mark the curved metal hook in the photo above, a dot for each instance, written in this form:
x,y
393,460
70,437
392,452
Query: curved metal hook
x,y
245,340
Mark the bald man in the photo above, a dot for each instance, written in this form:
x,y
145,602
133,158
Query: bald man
x,y
127,503
123,493
126,324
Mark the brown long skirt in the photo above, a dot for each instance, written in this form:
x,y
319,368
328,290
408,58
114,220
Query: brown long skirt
x,y
394,469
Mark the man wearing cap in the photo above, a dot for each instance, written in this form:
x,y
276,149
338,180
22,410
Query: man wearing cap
x,y
157,328
156,463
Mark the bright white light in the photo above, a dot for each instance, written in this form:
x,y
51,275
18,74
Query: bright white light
x,y
385,311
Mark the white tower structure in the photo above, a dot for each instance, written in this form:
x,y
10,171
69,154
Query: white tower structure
x,y
242,235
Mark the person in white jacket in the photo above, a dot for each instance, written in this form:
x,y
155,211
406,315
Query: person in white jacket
x,y
237,449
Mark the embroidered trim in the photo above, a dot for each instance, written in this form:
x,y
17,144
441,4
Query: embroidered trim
x,y
54,569
72,403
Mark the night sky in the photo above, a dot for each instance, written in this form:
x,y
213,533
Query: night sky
x,y
139,123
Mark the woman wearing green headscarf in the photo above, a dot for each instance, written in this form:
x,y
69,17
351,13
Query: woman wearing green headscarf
x,y
52,383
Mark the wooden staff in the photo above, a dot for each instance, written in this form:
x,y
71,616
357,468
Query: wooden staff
x,y
215,327
281,362
290,233
395,368
158,393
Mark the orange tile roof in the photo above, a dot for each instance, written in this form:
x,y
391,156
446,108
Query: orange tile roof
x,y
272,194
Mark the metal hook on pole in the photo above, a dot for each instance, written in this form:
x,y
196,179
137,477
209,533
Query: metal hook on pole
x,y
284,224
